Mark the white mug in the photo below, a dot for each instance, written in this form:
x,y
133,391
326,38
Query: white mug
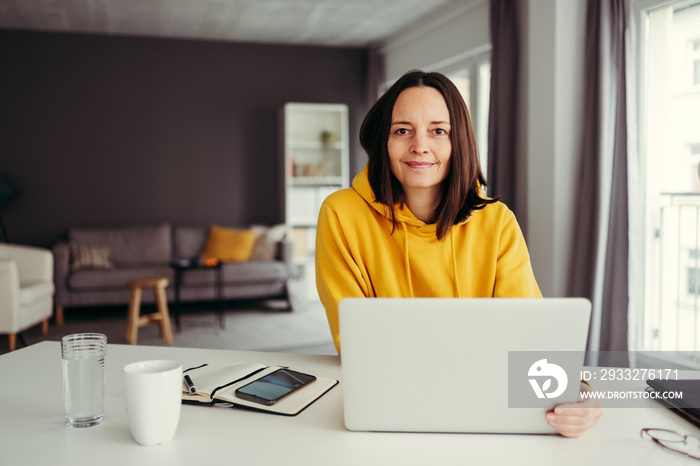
x,y
153,392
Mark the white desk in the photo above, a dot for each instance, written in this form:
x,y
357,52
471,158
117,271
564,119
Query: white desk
x,y
32,430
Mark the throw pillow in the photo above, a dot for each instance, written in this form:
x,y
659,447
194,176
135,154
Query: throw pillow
x,y
265,248
229,244
88,256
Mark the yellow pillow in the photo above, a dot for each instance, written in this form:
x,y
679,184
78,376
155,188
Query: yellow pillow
x,y
229,244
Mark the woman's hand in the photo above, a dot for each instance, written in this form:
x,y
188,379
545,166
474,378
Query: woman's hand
x,y
574,419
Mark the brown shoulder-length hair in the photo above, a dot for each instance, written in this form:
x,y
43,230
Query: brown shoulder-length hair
x,y
461,188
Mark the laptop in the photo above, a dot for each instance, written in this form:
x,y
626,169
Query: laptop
x,y
443,364
688,407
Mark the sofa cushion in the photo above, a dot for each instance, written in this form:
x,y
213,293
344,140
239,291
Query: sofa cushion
x,y
84,280
189,241
266,245
89,256
130,246
229,244
255,272
238,273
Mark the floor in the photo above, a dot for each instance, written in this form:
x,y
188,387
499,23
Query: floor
x,y
265,325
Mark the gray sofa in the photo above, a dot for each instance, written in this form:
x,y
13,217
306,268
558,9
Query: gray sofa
x,y
147,251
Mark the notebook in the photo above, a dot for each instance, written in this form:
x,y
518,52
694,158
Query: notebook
x,y
442,364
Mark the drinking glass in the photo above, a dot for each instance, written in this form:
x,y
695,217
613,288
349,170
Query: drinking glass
x,y
83,356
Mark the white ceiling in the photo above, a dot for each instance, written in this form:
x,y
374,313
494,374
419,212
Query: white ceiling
x,y
348,23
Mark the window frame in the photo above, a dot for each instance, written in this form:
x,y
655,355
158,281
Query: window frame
x,y
642,357
694,53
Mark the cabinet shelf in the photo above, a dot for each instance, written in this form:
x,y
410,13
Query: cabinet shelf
x,y
314,151
315,145
317,181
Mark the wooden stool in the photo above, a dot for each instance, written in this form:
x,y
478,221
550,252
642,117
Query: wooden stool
x,y
134,320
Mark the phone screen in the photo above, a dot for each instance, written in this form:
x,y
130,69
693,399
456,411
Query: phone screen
x,y
267,390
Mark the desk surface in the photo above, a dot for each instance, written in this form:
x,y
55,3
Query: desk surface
x,y
32,430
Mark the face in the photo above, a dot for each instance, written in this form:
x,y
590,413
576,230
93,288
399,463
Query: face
x,y
419,140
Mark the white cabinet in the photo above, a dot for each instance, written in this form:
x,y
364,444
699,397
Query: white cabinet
x,y
315,152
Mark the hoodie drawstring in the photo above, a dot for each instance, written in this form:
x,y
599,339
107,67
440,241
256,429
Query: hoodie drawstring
x,y
458,292
407,262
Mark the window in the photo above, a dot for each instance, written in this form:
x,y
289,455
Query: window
x,y
472,76
695,54
670,103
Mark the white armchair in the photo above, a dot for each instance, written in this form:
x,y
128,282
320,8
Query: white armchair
x,y
26,289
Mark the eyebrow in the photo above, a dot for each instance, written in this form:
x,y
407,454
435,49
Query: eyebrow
x,y
409,123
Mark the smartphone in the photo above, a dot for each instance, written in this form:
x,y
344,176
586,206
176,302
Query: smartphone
x,y
275,385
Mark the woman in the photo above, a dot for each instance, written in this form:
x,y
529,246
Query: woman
x,y
416,223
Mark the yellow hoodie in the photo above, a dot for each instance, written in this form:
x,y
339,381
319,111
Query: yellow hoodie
x,y
357,255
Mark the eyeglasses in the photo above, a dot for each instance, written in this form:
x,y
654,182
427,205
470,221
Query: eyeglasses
x,y
669,439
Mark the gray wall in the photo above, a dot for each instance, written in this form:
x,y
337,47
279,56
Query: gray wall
x,y
104,131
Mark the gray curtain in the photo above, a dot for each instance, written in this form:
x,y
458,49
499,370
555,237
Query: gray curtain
x,y
375,77
614,309
599,267
586,224
503,105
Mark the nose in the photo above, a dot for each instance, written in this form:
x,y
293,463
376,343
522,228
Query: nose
x,y
419,144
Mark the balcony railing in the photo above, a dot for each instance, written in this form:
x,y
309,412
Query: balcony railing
x,y
671,319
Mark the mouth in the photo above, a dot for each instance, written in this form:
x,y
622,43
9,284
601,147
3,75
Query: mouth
x,y
420,165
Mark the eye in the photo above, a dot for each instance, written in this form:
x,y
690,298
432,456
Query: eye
x,y
441,131
401,131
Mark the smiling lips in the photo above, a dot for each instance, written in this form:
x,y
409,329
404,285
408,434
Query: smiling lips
x,y
419,165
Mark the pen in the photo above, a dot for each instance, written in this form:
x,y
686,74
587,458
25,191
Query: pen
x,y
190,385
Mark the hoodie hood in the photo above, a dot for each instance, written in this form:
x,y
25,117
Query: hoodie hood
x,y
403,215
